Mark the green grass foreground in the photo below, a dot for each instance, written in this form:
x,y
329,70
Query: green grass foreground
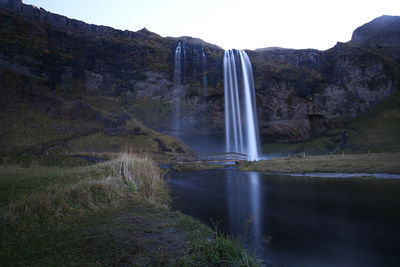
x,y
112,213
339,163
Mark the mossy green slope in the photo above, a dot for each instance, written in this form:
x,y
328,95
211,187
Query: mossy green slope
x,y
377,129
36,120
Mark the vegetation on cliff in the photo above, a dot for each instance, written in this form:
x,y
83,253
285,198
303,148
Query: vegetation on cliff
x,y
38,121
307,91
64,80
373,131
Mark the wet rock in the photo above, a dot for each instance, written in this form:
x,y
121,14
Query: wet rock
x,y
286,131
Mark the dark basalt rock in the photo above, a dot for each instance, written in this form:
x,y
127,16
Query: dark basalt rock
x,y
179,150
381,34
11,4
161,145
384,30
138,131
299,93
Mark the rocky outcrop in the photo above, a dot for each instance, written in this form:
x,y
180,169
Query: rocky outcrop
x,y
299,93
41,15
382,30
287,130
381,35
11,4
339,83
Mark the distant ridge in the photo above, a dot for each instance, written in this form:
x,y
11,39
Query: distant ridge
x,y
382,29
272,48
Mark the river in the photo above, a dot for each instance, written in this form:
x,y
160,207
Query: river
x,y
301,221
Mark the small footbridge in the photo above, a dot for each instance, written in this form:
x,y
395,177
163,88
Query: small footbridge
x,y
211,158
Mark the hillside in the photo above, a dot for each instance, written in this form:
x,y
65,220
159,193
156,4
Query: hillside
x,y
377,128
48,105
74,87
37,120
375,131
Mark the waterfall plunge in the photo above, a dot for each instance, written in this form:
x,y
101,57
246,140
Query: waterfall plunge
x,y
176,118
241,127
203,68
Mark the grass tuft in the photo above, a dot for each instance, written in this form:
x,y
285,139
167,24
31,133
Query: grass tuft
x,y
212,248
111,213
141,174
111,184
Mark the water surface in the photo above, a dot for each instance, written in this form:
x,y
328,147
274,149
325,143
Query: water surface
x,y
302,221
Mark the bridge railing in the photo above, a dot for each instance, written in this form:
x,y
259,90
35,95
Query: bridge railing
x,y
211,157
225,155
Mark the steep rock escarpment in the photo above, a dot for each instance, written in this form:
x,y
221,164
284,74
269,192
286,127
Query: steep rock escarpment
x,y
381,35
299,93
307,91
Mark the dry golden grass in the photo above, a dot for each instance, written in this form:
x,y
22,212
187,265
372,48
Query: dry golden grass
x,y
65,203
108,185
142,173
113,213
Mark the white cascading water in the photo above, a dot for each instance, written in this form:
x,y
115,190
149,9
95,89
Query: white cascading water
x,y
176,122
184,63
195,63
241,126
203,68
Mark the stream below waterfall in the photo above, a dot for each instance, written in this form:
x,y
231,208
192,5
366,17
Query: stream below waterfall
x,y
301,221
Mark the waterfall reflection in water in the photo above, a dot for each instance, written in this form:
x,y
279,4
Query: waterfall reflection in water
x,y
298,220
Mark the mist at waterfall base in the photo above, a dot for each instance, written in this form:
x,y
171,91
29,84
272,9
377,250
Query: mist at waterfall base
x,y
241,126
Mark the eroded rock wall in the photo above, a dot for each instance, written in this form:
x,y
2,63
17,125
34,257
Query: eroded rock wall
x,y
299,93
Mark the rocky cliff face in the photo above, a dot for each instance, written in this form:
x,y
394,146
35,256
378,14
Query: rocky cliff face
x,y
304,92
300,93
381,35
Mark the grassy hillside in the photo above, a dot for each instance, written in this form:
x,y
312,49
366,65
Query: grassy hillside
x,y
45,103
62,87
39,121
377,129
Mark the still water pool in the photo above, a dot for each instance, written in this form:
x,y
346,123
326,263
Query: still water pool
x,y
300,221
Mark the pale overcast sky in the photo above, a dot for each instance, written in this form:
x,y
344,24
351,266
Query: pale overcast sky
x,y
247,24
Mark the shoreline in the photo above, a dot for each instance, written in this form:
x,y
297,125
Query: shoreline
x,y
337,175
105,213
370,164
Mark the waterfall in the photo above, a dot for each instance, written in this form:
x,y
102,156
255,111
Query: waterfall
x,y
184,63
241,127
195,63
203,69
176,122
